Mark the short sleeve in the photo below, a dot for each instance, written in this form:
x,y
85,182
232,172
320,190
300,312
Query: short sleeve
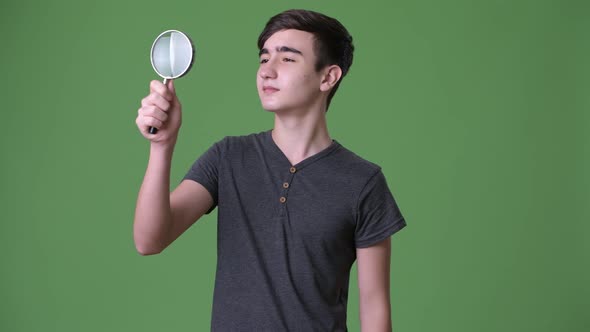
x,y
205,170
378,215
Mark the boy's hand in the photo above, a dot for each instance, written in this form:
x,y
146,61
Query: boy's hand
x,y
162,110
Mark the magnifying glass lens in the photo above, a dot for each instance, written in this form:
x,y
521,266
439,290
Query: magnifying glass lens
x,y
161,57
172,55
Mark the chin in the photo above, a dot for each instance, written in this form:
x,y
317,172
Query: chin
x,y
271,107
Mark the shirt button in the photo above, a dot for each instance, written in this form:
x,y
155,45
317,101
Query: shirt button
x,y
282,199
286,185
293,170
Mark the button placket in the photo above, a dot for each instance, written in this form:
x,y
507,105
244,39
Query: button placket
x,y
287,185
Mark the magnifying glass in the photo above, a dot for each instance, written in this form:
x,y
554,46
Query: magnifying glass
x,y
172,56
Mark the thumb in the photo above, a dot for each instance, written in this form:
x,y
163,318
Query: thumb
x,y
170,85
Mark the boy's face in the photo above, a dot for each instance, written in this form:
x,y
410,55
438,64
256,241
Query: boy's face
x,y
287,79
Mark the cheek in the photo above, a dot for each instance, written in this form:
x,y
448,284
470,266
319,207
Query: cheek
x,y
308,79
297,79
306,82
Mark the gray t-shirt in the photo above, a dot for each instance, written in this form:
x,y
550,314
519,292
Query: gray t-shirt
x,y
287,234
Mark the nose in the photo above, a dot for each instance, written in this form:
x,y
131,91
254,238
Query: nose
x,y
267,70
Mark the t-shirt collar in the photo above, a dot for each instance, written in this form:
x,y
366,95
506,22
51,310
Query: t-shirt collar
x,y
278,153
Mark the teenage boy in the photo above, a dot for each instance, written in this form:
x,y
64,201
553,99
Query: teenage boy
x,y
295,207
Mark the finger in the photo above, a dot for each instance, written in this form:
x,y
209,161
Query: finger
x,y
161,89
154,99
151,122
154,112
144,128
170,85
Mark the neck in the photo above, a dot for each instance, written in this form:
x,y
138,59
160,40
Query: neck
x,y
301,136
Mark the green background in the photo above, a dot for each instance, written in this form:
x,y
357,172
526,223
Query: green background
x,y
476,110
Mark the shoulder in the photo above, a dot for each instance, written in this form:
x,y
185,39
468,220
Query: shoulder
x,y
237,143
244,139
351,164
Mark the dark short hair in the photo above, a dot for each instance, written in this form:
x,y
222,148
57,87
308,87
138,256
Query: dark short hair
x,y
333,44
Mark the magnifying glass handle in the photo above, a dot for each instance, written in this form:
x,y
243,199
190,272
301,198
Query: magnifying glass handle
x,y
153,130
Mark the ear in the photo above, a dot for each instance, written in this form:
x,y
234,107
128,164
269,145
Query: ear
x,y
331,76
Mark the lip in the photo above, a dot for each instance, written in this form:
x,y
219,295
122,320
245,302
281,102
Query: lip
x,y
269,89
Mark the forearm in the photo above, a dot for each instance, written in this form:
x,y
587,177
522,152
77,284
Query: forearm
x,y
153,217
375,314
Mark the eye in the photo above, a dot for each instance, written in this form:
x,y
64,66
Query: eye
x,y
263,60
288,60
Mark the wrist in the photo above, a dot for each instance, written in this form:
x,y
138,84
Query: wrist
x,y
162,148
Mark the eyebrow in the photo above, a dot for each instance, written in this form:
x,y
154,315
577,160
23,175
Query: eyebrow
x,y
281,49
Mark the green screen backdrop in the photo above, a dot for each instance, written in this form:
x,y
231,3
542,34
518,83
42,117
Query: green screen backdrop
x,y
477,112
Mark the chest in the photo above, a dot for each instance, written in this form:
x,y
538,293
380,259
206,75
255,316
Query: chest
x,y
308,203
